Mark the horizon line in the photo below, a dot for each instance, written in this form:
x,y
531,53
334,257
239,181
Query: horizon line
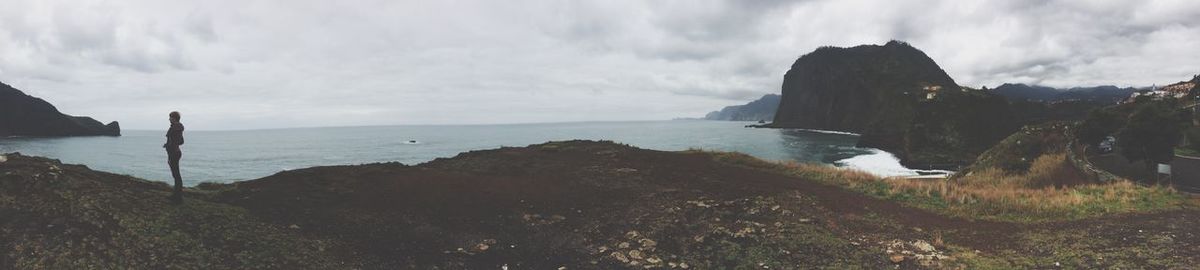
x,y
443,125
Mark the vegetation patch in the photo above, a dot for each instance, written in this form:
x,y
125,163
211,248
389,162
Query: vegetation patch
x,y
992,194
59,216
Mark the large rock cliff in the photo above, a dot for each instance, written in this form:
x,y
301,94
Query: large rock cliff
x,y
25,115
897,98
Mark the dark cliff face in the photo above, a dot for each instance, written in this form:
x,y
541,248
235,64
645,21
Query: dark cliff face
x,y
844,88
897,98
761,109
24,115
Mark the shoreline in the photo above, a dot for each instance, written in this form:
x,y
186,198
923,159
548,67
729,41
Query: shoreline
x,y
873,167
574,204
206,161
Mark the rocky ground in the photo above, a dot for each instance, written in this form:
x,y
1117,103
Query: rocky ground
x,y
572,205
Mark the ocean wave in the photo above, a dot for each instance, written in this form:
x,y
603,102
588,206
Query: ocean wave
x,y
827,131
883,164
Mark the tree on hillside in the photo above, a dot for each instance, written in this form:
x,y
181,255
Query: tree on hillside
x,y
1193,137
1099,124
1152,132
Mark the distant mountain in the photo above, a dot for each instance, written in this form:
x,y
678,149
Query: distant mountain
x,y
1023,92
898,98
24,115
761,109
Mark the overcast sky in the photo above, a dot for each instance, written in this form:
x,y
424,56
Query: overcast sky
x,y
244,64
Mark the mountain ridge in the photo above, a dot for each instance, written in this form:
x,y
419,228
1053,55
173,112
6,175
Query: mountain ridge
x,y
762,108
25,115
1038,93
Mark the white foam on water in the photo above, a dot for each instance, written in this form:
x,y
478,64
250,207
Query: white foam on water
x,y
829,131
881,163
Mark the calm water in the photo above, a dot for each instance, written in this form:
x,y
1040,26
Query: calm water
x,y
225,156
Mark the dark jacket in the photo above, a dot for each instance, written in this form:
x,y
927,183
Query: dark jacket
x,y
174,136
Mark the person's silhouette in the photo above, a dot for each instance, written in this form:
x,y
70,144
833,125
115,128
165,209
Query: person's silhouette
x,y
174,140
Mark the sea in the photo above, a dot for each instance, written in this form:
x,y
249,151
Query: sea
x,y
236,155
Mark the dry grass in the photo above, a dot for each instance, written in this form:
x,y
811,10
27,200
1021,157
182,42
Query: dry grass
x,y
1051,190
1050,187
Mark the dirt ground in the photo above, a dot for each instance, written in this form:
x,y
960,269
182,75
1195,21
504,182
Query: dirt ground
x,y
600,205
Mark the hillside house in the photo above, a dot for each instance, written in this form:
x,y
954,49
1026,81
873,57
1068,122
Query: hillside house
x,y
931,91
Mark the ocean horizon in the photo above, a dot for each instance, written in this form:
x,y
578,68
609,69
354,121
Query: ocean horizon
x,y
224,156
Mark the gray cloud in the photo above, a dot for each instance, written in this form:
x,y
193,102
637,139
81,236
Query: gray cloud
x,y
260,64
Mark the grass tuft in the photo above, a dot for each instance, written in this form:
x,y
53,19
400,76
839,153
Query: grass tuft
x,y
1051,190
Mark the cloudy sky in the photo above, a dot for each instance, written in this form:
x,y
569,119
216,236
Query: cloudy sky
x,y
243,64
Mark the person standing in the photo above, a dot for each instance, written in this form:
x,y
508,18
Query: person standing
x,y
174,140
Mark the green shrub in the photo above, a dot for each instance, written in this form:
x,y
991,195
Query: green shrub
x,y
1193,138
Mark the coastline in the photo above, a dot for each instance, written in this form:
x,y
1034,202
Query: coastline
x,y
226,156
574,204
929,168
879,161
884,164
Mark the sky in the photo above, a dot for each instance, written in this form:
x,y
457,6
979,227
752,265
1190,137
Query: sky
x,y
249,64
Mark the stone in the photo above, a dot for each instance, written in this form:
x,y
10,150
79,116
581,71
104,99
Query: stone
x,y
926,262
896,258
620,257
923,246
294,227
635,254
3,158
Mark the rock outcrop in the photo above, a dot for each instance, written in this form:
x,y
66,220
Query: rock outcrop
x,y
761,109
25,115
897,98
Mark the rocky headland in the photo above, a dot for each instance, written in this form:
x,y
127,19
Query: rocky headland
x,y
25,115
898,99
762,109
